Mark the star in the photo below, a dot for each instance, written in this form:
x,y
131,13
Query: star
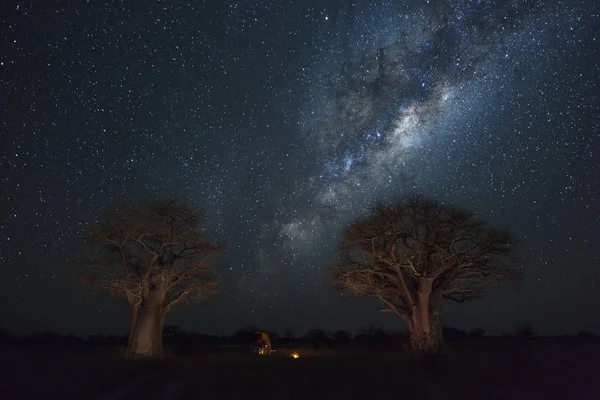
x,y
284,130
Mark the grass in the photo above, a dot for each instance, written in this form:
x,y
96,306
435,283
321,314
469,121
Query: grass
x,y
488,370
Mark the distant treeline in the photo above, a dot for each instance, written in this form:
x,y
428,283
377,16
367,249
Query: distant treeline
x,y
174,336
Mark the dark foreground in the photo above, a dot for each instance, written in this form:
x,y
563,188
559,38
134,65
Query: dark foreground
x,y
524,370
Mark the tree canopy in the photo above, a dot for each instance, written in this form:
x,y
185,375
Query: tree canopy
x,y
413,253
135,248
154,254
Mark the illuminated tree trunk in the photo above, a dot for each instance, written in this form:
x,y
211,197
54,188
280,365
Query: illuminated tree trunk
x,y
134,304
425,323
147,322
134,315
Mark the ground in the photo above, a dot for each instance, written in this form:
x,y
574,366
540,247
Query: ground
x,y
474,370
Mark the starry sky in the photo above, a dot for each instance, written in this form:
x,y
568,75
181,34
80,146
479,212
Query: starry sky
x,y
284,120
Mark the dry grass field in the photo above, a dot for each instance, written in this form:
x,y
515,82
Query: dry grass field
x,y
534,369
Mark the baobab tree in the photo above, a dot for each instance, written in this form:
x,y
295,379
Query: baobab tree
x,y
155,255
412,254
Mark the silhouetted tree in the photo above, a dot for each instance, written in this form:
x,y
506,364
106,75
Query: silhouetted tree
x,y
342,337
171,333
451,333
318,337
414,253
477,333
370,329
525,330
245,336
156,256
586,335
288,336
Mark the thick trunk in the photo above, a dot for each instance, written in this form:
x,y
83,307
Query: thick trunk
x,y
426,335
147,322
425,323
134,304
134,316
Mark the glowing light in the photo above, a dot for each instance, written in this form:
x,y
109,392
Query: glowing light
x,y
348,161
295,355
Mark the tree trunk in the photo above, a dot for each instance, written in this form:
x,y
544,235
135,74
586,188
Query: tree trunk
x,y
147,322
134,315
425,324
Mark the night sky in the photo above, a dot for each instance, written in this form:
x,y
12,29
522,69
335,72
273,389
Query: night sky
x,y
284,120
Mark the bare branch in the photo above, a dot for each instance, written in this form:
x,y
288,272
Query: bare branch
x,y
389,252
155,249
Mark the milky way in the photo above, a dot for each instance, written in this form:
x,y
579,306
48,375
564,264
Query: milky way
x,y
286,121
403,83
